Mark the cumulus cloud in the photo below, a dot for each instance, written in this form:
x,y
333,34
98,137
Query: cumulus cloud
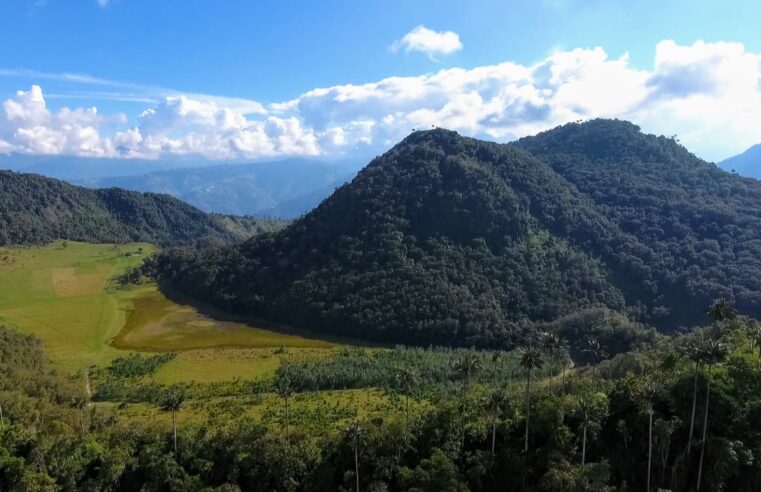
x,y
428,41
708,94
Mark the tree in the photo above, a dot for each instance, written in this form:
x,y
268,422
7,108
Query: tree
x,y
692,351
172,401
284,390
2,422
80,403
662,430
531,359
497,358
466,367
354,432
650,393
553,344
584,405
407,379
594,351
496,402
714,352
721,310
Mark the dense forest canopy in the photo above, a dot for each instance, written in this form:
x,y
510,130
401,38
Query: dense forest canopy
x,y
692,231
38,210
446,239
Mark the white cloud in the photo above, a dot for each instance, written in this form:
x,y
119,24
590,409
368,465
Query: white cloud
x,y
428,41
103,3
708,94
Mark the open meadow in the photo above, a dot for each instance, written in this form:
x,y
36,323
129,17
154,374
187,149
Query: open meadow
x,y
66,294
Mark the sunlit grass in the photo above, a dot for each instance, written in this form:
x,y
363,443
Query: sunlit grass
x,y
66,295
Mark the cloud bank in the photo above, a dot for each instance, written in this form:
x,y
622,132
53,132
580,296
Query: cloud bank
x,y
708,94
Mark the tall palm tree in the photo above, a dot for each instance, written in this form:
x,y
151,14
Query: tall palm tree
x,y
80,402
584,406
497,358
531,359
650,412
721,310
172,401
714,352
594,351
650,392
496,402
466,367
553,344
406,380
284,390
693,352
354,432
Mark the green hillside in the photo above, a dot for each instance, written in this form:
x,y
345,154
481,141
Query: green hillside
x,y
38,210
452,240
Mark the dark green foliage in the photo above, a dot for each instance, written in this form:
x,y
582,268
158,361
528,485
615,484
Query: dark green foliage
x,y
451,240
136,365
38,210
687,232
435,369
445,445
443,240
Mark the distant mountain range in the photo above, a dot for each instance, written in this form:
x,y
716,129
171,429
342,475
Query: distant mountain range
x,y
282,189
451,240
746,164
72,168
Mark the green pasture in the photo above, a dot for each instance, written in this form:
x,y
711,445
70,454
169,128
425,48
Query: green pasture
x,y
65,293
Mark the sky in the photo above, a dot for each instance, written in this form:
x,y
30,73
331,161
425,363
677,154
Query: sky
x,y
259,79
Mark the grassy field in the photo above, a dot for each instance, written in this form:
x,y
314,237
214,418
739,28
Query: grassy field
x,y
316,412
65,294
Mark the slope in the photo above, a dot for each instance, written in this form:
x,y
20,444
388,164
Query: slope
x,y
693,231
37,210
443,239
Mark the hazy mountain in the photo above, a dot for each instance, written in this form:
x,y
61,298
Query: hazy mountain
x,y
746,164
285,189
446,239
72,168
36,210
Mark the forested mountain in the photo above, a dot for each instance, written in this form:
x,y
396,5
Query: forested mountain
x,y
692,231
446,239
746,164
285,189
37,210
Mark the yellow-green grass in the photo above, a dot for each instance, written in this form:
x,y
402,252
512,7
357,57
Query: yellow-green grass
x,y
320,411
65,294
155,323
62,293
227,364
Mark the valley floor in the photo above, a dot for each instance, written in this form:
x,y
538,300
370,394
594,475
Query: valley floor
x,y
66,294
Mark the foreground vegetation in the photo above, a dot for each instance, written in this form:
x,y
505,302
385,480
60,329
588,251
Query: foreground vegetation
x,y
679,414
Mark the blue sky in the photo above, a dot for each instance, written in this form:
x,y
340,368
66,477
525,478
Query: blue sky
x,y
223,60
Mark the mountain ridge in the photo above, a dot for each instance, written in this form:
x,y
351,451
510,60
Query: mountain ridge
x,y
35,210
286,189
